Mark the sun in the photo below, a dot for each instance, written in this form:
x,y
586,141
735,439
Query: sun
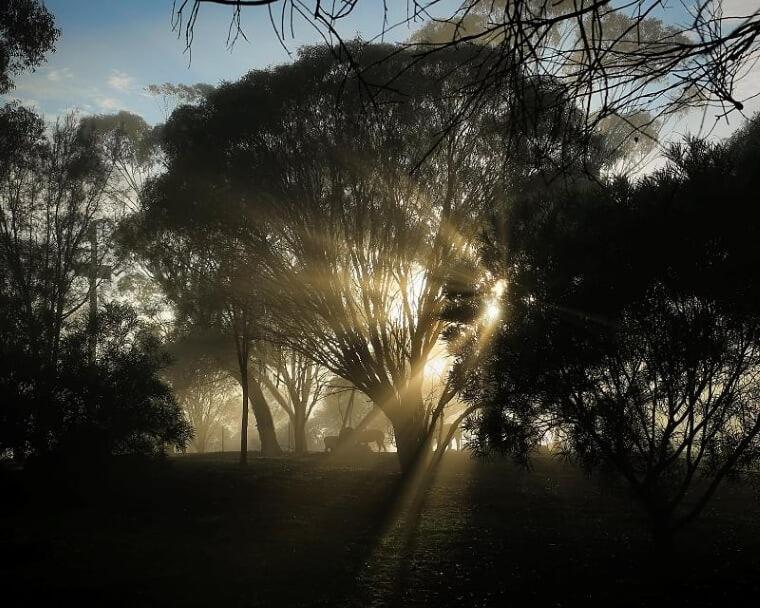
x,y
492,312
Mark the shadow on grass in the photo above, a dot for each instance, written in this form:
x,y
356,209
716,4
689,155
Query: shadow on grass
x,y
314,531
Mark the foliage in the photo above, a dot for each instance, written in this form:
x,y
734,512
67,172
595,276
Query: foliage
x,y
618,61
631,332
27,33
120,405
320,215
53,196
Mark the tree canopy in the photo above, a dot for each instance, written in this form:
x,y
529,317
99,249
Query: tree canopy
x,y
630,333
349,238
54,205
27,34
618,60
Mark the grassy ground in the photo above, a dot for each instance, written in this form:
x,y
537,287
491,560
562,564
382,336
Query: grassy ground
x,y
198,530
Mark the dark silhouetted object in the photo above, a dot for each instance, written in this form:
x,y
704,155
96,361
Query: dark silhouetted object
x,y
27,33
632,327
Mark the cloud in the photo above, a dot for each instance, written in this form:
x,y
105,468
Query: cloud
x,y
108,103
57,75
739,7
121,81
84,110
27,102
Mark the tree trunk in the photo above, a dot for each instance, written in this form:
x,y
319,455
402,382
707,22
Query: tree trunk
x,y
244,416
201,438
411,435
299,432
264,422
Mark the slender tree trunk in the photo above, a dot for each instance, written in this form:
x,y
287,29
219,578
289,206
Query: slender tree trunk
x,y
264,422
200,443
244,415
299,431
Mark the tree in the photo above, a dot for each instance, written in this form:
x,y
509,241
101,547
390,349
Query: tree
x,y
60,397
344,249
118,405
617,59
631,330
298,385
173,95
205,392
132,146
343,406
27,33
194,261
52,194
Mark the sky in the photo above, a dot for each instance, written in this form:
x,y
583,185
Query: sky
x,y
111,50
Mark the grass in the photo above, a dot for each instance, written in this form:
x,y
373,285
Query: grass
x,y
199,530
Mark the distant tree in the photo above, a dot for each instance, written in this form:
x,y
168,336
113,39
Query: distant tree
x,y
630,328
133,147
172,95
297,384
205,392
196,265
27,33
186,93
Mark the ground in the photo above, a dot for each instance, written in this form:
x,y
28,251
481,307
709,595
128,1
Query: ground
x,y
200,531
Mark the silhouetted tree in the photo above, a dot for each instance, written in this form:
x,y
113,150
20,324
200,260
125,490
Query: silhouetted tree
x,y
196,263
27,33
631,328
53,195
344,250
618,60
297,384
120,405
205,391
